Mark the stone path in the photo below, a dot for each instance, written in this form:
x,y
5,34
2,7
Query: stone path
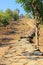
x,y
18,54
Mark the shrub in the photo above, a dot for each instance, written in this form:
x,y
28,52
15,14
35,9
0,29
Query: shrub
x,y
5,22
15,15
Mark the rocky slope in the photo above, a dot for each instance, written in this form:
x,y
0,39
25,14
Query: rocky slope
x,y
16,51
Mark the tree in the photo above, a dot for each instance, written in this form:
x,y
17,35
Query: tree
x,y
9,14
3,19
16,14
21,16
1,14
34,6
17,10
29,15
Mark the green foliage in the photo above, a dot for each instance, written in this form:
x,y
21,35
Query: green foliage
x,y
5,21
15,17
7,16
16,14
36,6
29,15
3,18
25,4
1,14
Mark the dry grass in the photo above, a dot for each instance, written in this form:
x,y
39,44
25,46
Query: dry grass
x,y
13,32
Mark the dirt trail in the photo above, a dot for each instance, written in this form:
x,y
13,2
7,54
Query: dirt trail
x,y
18,54
16,51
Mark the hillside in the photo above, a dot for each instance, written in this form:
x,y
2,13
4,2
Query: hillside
x,y
16,29
12,47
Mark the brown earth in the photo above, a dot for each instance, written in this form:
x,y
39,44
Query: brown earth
x,y
15,51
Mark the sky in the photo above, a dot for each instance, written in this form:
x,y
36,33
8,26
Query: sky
x,y
4,4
